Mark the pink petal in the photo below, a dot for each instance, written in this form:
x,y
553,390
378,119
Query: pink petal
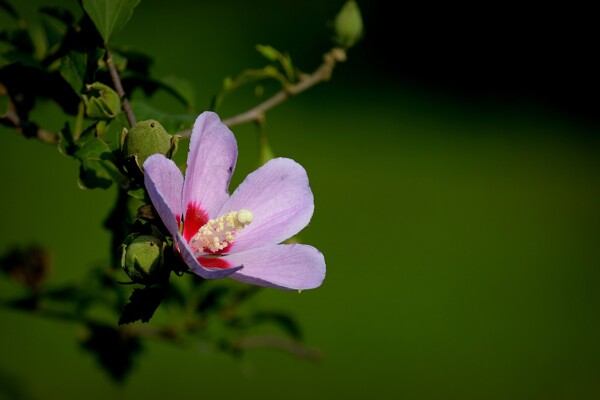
x,y
284,266
210,164
207,273
279,197
164,183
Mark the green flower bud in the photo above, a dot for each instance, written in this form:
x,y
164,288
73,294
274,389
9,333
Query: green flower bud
x,y
102,102
143,257
348,24
147,138
144,139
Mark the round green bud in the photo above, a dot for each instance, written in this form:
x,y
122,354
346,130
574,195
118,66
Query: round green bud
x,y
348,24
143,259
146,138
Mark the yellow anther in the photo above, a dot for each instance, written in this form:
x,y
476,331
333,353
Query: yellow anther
x,y
245,216
219,233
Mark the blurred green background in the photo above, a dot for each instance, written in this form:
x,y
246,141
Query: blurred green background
x,y
455,168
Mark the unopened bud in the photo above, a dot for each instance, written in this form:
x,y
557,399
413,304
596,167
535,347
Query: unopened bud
x,y
143,259
348,25
102,102
146,138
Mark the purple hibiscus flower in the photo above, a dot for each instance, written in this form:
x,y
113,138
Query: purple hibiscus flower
x,y
235,236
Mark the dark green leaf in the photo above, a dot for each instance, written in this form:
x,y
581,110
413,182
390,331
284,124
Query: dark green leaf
x,y
28,86
113,349
55,32
142,304
98,165
111,132
19,38
11,53
38,38
73,69
139,194
66,144
60,13
10,10
109,16
57,21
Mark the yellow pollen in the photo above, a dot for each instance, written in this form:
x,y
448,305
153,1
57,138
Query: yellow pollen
x,y
245,216
219,233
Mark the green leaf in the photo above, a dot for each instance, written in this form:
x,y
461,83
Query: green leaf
x,y
10,10
60,13
109,16
139,194
98,165
142,304
268,52
56,22
246,77
66,144
111,132
284,60
73,69
38,38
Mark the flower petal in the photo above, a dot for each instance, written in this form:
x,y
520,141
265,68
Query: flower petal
x,y
207,273
284,266
164,183
210,164
280,199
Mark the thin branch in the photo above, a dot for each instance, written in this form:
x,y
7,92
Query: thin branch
x,y
29,129
321,74
114,75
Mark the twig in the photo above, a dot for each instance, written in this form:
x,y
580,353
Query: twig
x,y
321,74
29,129
114,75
